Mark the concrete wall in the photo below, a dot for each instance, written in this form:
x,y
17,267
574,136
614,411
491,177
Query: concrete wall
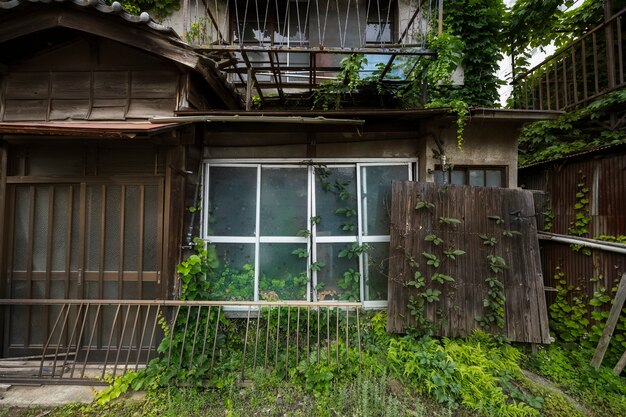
x,y
485,142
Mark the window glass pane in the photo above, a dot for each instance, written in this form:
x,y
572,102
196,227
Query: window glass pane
x,y
61,209
458,177
21,228
150,228
93,228
234,280
378,32
232,201
494,178
477,177
338,278
376,195
441,176
376,261
131,228
112,228
284,200
40,237
252,31
379,22
336,201
282,273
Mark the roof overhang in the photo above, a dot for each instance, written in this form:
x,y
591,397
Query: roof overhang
x,y
109,130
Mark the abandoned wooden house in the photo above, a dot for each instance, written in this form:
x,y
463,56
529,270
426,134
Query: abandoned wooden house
x,y
120,143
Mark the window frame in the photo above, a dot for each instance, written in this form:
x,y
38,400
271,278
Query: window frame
x,y
313,240
466,169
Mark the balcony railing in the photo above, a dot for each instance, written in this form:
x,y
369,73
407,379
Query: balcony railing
x,y
586,69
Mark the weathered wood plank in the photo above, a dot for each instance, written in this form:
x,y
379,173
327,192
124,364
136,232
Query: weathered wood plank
x,y
70,85
27,85
611,322
503,216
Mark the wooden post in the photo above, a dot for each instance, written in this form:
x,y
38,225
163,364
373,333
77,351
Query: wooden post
x,y
440,17
619,367
616,309
249,90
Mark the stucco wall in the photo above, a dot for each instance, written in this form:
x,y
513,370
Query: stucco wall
x,y
486,143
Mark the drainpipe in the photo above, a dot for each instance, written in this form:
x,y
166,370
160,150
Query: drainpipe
x,y
590,243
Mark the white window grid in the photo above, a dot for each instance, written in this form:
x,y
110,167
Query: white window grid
x,y
360,237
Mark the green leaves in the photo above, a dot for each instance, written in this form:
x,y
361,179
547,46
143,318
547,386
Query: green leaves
x,y
434,239
449,221
453,253
301,253
346,211
432,259
316,266
488,240
424,205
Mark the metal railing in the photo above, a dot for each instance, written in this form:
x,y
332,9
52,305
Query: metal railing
x,y
92,339
584,70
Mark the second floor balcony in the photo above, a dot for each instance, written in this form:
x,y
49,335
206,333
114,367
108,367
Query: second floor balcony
x,y
273,48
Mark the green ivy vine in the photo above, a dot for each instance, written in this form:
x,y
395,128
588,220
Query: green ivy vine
x,y
582,213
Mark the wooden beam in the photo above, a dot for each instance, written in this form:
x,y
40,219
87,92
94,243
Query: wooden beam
x,y
616,310
619,367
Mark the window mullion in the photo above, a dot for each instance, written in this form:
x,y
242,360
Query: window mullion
x,y
257,233
313,239
360,220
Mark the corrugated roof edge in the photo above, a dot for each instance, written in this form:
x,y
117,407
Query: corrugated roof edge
x,y
575,155
115,8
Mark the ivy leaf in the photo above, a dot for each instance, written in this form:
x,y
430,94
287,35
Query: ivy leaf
x,y
424,205
434,239
449,221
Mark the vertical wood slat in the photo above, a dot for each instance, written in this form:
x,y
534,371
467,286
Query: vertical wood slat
x,y
68,237
47,283
565,86
574,79
584,67
140,240
540,82
548,95
526,314
556,84
595,63
29,258
620,53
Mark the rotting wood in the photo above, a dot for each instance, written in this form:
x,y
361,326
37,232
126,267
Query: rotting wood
x,y
611,322
455,314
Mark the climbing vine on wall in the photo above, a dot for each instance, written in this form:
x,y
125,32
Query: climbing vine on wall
x,y
571,132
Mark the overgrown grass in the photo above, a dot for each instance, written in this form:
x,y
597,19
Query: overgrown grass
x,y
600,391
392,376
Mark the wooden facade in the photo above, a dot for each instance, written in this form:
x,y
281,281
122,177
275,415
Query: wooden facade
x,y
93,196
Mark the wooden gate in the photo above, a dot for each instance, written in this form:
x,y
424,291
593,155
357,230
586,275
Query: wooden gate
x,y
452,245
69,239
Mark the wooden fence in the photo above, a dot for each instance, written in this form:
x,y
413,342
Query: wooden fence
x,y
479,237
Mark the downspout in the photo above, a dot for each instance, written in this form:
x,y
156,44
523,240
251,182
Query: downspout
x,y
192,221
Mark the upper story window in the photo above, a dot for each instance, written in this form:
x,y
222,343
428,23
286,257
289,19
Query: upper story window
x,y
271,22
380,21
493,176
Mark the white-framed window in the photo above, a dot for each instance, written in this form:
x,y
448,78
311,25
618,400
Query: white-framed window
x,y
293,230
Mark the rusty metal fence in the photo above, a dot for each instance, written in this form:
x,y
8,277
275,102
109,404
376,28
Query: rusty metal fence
x,y
89,340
